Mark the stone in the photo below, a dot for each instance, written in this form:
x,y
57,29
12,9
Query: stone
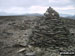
x,y
21,50
30,54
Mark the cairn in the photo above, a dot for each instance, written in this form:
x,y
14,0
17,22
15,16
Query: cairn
x,y
50,31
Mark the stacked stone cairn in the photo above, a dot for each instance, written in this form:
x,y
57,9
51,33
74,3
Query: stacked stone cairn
x,y
50,31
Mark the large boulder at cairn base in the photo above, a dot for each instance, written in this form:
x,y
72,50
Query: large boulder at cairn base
x,y
50,31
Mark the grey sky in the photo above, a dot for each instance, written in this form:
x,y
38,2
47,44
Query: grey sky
x,y
36,6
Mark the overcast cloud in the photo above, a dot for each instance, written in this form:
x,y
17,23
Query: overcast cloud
x,y
36,6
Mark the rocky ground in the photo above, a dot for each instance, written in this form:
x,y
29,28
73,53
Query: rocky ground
x,y
15,32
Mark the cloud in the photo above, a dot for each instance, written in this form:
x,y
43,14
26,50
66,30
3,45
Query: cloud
x,y
66,10
23,10
73,2
59,3
14,10
38,9
22,3
36,6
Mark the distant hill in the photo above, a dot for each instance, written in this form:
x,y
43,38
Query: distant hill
x,y
2,13
68,16
10,14
65,15
73,17
35,14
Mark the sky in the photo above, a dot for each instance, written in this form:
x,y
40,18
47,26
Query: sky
x,y
36,6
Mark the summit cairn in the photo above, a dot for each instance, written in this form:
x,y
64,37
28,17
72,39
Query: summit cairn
x,y
50,31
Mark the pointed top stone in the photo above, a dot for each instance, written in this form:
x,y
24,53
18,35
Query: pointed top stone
x,y
50,31
51,13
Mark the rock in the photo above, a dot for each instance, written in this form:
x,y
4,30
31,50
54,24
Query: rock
x,y
21,50
50,31
30,54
